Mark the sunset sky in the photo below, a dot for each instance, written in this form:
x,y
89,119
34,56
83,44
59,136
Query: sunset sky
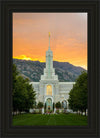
x,y
68,39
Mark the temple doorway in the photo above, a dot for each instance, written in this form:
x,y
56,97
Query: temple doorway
x,y
49,105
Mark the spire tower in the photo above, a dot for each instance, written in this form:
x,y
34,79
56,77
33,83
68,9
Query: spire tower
x,y
49,71
49,41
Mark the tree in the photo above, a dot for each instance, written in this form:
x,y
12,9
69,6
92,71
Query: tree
x,y
79,94
23,93
40,105
58,105
14,74
53,106
45,106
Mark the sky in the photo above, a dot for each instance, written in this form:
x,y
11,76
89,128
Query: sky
x,y
68,39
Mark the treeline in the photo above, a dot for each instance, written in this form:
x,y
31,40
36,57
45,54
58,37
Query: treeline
x,y
78,96
23,93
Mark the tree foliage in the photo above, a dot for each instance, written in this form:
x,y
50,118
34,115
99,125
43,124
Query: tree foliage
x,y
58,105
53,106
79,93
40,105
23,92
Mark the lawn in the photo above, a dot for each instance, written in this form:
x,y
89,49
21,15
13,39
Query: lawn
x,y
47,120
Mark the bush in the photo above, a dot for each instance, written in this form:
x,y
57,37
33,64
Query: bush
x,y
40,105
57,111
50,111
40,112
58,105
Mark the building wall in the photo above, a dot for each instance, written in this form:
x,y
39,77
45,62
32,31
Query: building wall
x,y
60,90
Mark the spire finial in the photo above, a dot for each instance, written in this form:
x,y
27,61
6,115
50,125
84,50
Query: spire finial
x,y
49,40
49,34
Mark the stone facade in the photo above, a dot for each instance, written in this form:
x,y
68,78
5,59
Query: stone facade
x,y
49,90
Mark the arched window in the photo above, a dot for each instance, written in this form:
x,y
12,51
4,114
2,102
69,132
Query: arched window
x,y
49,90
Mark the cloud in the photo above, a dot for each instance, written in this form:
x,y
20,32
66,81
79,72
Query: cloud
x,y
68,35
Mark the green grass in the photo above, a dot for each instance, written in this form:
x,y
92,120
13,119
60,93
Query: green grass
x,y
47,120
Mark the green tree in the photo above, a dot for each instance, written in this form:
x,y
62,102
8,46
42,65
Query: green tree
x,y
79,94
23,93
53,106
40,105
58,105
14,75
45,106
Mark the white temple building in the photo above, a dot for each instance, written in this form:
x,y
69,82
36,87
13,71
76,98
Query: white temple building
x,y
49,90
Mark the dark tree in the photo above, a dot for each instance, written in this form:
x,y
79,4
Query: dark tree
x,y
45,106
79,94
23,93
40,105
58,105
53,106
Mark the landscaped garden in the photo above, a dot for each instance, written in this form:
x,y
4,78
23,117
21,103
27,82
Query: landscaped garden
x,y
50,120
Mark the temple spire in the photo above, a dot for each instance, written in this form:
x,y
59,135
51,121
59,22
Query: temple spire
x,y
49,41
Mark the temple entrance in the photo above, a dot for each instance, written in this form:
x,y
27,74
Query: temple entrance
x,y
49,105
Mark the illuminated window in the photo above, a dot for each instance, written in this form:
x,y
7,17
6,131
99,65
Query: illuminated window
x,y
49,90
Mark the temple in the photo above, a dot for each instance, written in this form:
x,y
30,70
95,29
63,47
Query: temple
x,y
49,90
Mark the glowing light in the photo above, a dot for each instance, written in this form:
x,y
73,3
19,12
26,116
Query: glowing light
x,y
24,57
49,90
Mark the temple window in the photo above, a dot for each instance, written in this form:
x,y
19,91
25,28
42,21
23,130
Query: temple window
x,y
49,90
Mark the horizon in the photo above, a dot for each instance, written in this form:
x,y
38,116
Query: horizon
x,y
45,62
68,37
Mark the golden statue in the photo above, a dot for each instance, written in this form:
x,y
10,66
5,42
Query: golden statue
x,y
49,34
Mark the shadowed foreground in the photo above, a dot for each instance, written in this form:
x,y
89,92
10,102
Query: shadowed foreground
x,y
52,119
